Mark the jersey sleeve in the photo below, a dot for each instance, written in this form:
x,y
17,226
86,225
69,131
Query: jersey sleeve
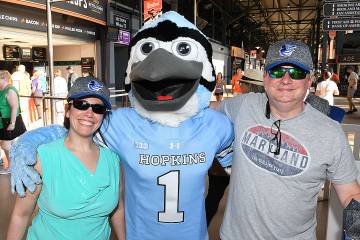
x,y
225,152
343,169
113,126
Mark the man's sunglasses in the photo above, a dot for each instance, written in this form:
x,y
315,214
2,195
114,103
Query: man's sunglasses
x,y
294,73
84,105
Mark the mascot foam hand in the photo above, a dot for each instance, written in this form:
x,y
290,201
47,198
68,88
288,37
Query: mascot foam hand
x,y
23,157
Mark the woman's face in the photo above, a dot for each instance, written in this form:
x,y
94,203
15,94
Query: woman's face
x,y
218,76
85,122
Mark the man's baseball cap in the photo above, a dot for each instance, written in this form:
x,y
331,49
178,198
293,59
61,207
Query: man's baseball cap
x,y
89,87
289,52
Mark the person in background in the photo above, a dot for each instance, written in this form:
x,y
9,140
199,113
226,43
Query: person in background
x,y
72,76
282,153
352,87
78,198
327,88
60,90
37,92
335,77
9,110
21,81
236,88
252,81
220,87
86,73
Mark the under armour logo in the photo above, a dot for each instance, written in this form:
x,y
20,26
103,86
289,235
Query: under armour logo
x,y
286,50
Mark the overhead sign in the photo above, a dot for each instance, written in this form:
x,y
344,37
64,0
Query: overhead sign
x,y
124,37
342,9
341,24
349,58
23,19
121,22
91,10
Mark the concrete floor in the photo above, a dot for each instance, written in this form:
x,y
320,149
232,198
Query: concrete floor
x,y
7,199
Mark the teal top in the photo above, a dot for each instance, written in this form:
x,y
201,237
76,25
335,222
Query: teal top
x,y
75,203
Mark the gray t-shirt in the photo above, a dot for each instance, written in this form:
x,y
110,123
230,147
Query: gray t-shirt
x,y
275,197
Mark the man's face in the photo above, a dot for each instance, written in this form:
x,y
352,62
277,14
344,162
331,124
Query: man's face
x,y
286,89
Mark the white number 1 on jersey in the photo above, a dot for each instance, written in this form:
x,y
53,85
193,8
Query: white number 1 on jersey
x,y
171,213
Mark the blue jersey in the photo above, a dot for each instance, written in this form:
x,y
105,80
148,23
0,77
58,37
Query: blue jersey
x,y
165,170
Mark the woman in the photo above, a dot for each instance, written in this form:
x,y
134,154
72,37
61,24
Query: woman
x,y
80,179
219,87
36,90
9,110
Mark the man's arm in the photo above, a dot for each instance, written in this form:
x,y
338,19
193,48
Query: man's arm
x,y
346,192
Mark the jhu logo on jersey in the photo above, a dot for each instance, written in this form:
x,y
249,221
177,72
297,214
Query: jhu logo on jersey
x,y
292,160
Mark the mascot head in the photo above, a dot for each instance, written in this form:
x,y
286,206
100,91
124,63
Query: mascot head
x,y
170,75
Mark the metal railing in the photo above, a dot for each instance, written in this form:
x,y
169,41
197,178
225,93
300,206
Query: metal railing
x,y
118,98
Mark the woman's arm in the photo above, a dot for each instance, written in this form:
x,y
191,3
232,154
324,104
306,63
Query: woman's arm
x,y
23,210
117,218
12,99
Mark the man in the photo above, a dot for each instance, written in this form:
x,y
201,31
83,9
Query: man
x,y
235,82
21,81
352,87
60,90
72,76
327,89
284,151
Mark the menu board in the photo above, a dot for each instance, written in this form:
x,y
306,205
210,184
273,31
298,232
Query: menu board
x,y
11,52
38,54
26,53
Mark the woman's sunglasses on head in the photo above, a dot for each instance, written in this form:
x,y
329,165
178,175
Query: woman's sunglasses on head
x,y
294,72
84,105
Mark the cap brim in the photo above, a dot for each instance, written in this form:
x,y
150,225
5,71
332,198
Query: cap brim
x,y
281,62
85,95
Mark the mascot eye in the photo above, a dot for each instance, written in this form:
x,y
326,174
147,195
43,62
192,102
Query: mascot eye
x,y
147,47
183,49
144,48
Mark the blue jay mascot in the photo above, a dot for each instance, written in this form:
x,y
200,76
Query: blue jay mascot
x,y
166,141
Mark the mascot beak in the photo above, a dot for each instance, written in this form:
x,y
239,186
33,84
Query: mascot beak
x,y
163,81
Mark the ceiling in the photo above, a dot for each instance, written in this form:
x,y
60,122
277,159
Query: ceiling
x,y
251,23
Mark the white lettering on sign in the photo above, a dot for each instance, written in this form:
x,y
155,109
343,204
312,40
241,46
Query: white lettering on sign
x,y
79,3
8,18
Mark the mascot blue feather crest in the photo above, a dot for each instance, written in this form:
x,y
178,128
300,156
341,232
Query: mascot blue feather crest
x,y
170,75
